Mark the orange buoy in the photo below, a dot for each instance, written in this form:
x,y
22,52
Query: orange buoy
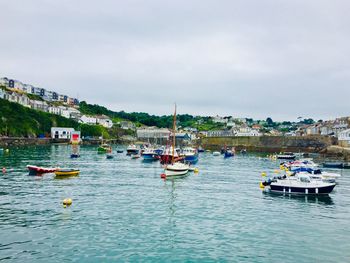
x,y
163,176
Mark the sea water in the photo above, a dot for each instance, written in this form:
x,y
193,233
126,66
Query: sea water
x,y
123,211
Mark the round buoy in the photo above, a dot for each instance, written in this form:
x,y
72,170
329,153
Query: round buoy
x,y
196,170
7,150
163,176
67,201
263,174
261,185
3,170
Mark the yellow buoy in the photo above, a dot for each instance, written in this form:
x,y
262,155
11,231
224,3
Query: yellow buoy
x,y
196,170
263,174
67,201
261,185
277,171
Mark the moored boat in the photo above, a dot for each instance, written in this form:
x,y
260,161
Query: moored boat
x,y
190,154
109,156
150,154
168,155
200,149
216,153
338,165
132,149
286,156
75,155
104,148
175,169
66,172
228,153
302,184
37,170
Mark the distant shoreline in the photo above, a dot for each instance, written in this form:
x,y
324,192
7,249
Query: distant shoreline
x,y
268,144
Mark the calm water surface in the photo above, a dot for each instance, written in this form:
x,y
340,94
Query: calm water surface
x,y
123,211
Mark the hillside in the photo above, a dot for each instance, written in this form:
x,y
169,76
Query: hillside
x,y
142,118
16,120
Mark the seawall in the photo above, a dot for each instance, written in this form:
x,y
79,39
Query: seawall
x,y
270,144
20,141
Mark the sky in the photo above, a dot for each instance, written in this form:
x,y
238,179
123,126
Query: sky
x,y
282,59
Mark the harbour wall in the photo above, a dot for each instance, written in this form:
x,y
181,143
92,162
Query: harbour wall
x,y
21,141
270,144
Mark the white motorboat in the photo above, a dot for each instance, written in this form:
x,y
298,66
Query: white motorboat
x,y
176,169
132,149
301,184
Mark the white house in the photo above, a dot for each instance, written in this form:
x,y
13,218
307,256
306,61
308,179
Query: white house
x,y
219,119
152,133
4,82
39,105
2,94
344,138
127,125
248,132
17,98
344,135
221,133
104,120
55,110
70,113
61,133
88,119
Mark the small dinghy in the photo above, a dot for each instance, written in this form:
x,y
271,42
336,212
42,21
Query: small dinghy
x,y
216,153
120,151
37,170
109,156
75,155
66,172
135,156
228,154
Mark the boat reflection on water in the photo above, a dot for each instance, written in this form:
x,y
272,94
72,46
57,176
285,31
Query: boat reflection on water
x,y
316,199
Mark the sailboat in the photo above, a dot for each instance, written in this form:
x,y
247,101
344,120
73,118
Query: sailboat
x,y
175,168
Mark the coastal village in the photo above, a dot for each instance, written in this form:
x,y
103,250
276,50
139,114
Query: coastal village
x,y
53,102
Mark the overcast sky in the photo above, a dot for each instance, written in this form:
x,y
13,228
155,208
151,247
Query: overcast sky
x,y
250,58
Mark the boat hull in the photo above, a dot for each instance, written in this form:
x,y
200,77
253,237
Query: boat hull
x,y
132,152
191,158
36,170
286,189
228,154
66,173
285,157
333,165
150,156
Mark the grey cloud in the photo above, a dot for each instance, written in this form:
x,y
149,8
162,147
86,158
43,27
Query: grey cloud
x,y
249,58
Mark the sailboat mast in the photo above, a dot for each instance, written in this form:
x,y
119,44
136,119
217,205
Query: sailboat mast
x,y
174,137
